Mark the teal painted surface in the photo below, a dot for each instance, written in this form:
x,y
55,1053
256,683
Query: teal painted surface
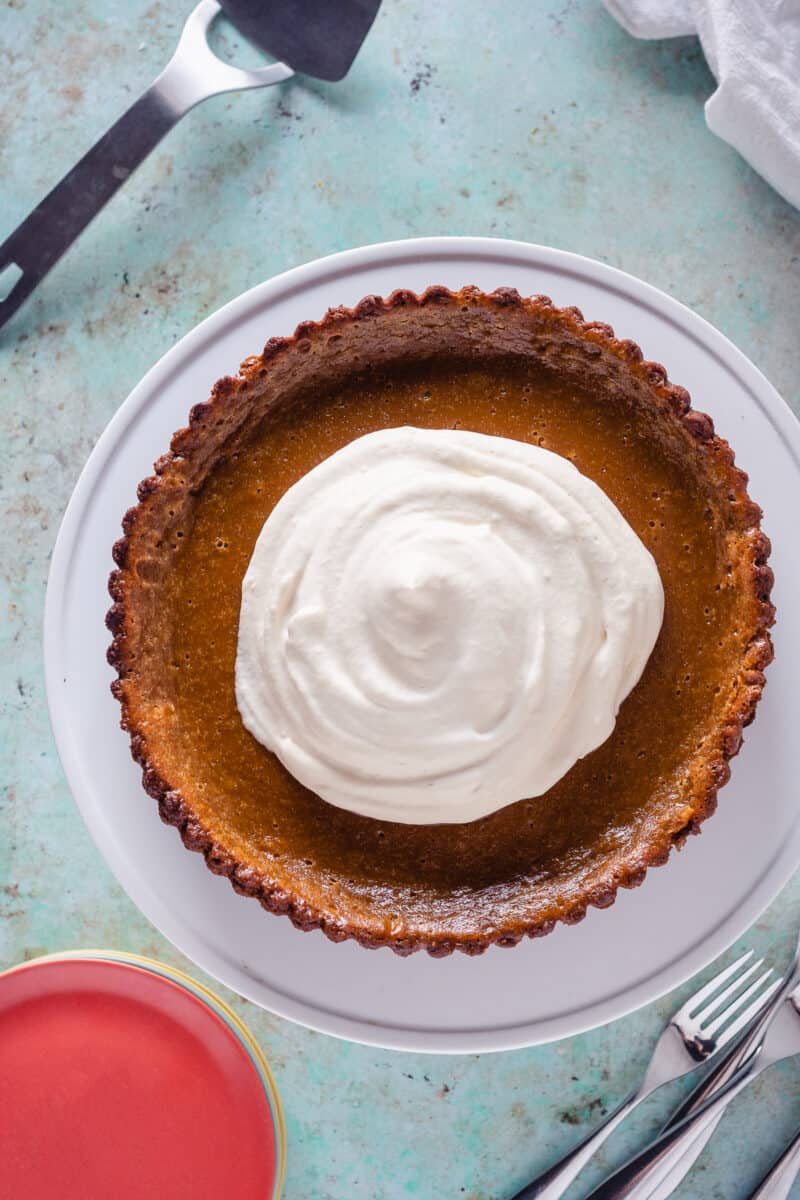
x,y
540,121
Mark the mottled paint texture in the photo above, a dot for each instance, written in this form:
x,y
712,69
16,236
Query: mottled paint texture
x,y
540,121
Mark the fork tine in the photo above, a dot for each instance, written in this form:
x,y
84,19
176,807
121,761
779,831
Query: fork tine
x,y
708,989
719,1001
726,1014
758,1005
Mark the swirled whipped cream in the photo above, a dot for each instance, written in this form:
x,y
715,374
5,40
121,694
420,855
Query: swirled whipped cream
x,y
436,623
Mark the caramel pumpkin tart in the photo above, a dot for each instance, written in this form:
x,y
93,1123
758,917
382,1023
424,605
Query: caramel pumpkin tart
x,y
440,622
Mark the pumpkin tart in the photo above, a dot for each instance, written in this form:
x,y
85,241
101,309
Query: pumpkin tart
x,y
498,364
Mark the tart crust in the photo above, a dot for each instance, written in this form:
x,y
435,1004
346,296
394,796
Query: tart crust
x,y
234,406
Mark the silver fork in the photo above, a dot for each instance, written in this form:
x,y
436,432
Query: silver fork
x,y
659,1180
709,1020
780,1038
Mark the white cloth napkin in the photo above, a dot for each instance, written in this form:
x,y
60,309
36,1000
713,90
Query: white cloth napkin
x,y
753,48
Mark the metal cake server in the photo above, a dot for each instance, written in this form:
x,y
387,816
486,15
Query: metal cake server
x,y
313,42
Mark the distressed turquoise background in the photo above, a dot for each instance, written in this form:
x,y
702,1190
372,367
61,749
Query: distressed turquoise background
x,y
532,120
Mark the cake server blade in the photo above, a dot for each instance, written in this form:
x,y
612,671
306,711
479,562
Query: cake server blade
x,y
315,37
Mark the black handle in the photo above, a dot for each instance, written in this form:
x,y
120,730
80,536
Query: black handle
x,y
38,243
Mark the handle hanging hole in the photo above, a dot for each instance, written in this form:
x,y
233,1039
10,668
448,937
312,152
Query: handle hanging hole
x,y
9,278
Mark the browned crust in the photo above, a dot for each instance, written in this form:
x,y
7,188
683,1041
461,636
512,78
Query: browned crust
x,y
246,880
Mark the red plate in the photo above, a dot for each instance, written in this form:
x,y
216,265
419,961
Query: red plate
x,y
116,1082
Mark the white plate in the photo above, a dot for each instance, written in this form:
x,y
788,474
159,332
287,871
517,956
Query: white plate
x,y
653,938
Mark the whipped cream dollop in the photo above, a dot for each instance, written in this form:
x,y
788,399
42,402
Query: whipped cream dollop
x,y
436,623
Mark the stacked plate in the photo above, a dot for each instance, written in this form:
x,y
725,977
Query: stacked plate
x,y
123,1077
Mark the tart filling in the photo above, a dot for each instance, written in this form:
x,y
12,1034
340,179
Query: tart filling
x,y
437,623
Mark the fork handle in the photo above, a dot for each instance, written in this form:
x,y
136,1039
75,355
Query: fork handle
x,y
635,1178
38,243
777,1184
663,1177
552,1184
